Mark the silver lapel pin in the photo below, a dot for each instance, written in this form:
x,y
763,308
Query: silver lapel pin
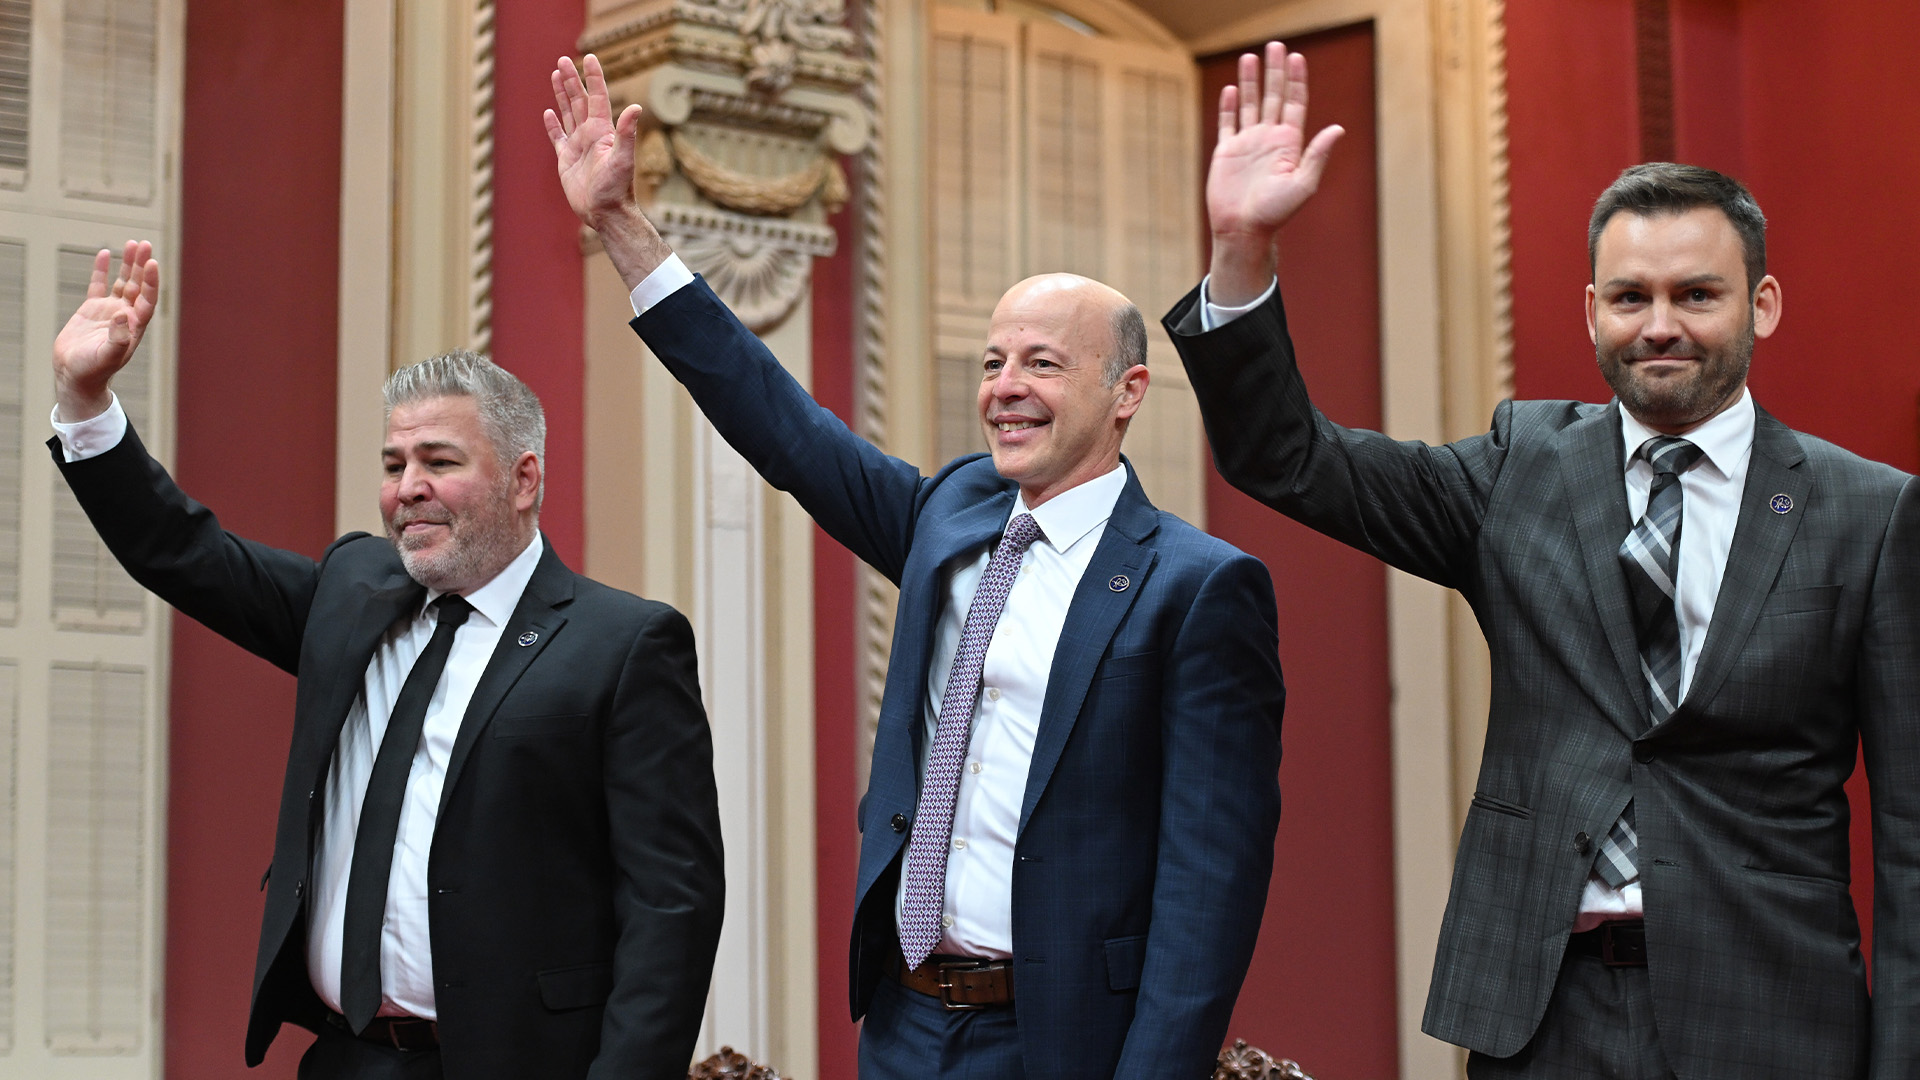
x,y
1119,583
1781,503
528,638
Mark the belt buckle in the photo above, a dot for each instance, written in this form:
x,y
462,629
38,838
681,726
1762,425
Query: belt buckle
x,y
412,1025
947,986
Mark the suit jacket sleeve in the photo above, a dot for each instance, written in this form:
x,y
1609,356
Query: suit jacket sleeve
x,y
863,498
665,832
1414,506
1889,711
254,595
1222,698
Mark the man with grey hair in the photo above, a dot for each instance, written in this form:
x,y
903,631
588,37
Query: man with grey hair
x,y
498,851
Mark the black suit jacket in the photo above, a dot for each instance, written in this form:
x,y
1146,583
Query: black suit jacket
x,y
1753,946
575,874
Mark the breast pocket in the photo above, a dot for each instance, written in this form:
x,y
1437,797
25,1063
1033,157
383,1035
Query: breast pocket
x,y
1813,600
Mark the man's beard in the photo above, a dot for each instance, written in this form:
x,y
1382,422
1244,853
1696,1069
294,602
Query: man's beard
x,y
1679,402
481,544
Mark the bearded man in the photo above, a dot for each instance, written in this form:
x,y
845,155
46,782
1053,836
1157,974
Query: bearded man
x,y
1697,617
498,852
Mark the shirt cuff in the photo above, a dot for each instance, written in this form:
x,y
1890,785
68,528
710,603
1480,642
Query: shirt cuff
x,y
93,436
667,278
1214,316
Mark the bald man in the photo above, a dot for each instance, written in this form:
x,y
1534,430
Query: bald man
x,y
1068,829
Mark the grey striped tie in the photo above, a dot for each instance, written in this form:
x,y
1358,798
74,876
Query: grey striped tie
x,y
1650,556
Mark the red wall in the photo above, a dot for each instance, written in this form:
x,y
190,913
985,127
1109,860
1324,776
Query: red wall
x,y
539,291
835,688
1322,987
256,283
1813,106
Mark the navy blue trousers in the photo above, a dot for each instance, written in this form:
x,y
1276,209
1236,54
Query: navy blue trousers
x,y
910,1036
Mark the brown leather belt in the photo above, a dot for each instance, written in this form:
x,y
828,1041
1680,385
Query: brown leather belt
x,y
960,982
1622,943
399,1032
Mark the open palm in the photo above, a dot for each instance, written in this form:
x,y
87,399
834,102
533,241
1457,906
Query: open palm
x,y
103,333
1263,167
593,153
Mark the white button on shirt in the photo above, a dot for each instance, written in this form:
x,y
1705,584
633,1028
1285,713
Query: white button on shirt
x,y
978,914
406,952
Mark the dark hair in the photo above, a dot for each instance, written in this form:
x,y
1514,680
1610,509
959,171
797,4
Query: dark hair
x,y
1129,344
1661,187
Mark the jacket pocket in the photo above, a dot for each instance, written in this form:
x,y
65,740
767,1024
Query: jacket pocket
x,y
1126,956
1500,806
510,727
575,987
1797,601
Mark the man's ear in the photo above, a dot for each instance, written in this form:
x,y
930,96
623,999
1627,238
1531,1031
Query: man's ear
x,y
1766,307
526,482
1130,391
1593,328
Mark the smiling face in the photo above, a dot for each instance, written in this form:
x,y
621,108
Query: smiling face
x,y
1050,417
1671,317
454,512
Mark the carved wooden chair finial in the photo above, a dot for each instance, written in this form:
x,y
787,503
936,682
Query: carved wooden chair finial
x,y
1243,1062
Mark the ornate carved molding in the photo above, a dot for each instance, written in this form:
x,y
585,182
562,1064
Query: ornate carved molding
x,y
480,182
749,103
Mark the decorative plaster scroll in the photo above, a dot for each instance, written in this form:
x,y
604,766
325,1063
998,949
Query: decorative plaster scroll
x,y
779,29
745,192
676,95
759,266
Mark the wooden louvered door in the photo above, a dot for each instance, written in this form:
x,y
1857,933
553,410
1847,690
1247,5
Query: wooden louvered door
x,y
1054,149
89,101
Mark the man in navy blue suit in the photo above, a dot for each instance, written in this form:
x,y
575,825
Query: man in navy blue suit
x,y
1068,831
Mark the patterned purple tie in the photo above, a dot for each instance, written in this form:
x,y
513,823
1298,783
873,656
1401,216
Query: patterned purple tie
x,y
926,888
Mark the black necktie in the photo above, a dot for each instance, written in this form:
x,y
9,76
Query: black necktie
x,y
1650,555
380,821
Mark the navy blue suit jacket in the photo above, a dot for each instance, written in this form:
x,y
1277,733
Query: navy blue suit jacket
x,y
1146,834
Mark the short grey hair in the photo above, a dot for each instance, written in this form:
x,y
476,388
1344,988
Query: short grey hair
x,y
1129,344
510,414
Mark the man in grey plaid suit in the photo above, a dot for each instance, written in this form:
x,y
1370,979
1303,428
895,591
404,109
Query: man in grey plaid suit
x,y
1695,613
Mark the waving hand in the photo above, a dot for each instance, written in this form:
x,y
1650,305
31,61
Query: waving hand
x,y
594,154
1263,169
102,335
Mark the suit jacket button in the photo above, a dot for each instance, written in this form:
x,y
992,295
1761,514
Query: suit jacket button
x,y
1582,843
299,888
1643,754
899,823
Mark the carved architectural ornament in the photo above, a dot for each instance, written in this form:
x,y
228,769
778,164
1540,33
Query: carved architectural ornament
x,y
750,104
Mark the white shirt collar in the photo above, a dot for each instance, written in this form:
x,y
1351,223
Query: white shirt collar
x,y
1724,440
496,600
1077,511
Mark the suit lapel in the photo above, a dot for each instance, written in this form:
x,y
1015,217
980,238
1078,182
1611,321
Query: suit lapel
x,y
1761,538
535,621
1591,457
1092,618
381,606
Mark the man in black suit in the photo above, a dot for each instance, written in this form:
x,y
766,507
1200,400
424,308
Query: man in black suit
x,y
498,851
1696,617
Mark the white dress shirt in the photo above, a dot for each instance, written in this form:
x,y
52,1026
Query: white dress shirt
x,y
1711,492
406,954
977,914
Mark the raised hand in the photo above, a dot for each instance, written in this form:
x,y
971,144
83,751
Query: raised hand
x,y
102,335
1263,168
594,154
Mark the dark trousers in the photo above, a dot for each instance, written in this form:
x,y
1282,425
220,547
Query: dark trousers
x,y
910,1036
337,1055
1598,1024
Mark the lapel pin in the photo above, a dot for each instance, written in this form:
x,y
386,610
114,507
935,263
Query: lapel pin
x,y
1781,503
528,638
1119,583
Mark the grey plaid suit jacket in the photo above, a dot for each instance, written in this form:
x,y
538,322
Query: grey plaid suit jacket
x,y
1754,949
